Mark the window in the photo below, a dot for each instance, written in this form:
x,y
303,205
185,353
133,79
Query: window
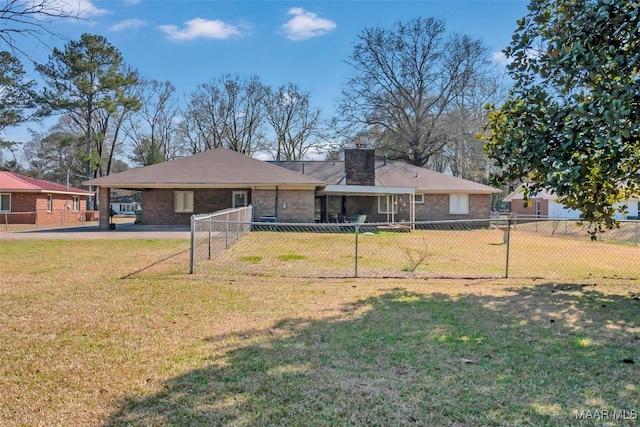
x,y
458,204
183,201
76,203
388,204
49,202
239,199
5,202
419,198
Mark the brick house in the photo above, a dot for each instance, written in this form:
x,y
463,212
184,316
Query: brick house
x,y
211,181
307,191
26,200
385,191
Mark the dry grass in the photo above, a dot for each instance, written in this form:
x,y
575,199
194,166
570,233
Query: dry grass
x,y
116,333
447,254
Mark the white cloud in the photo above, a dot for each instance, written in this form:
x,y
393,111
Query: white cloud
x,y
201,28
128,24
500,58
305,25
82,8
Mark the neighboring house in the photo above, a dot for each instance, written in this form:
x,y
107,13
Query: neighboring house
x,y
357,188
25,200
124,205
545,205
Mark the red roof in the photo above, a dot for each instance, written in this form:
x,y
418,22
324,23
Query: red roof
x,y
13,182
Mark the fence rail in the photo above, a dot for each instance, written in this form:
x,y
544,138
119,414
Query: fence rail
x,y
492,248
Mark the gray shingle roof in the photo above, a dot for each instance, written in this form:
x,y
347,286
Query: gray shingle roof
x,y
393,174
217,168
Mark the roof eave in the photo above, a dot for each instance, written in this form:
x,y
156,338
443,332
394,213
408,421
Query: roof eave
x,y
170,185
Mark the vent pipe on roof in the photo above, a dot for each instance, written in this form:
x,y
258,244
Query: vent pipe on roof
x,y
303,169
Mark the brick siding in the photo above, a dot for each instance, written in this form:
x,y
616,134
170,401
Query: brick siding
x,y
517,207
292,205
31,208
157,204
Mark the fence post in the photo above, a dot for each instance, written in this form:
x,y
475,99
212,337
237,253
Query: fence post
x,y
226,232
357,230
192,260
506,270
209,221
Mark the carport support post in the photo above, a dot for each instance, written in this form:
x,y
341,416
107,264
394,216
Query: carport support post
x,y
104,194
192,260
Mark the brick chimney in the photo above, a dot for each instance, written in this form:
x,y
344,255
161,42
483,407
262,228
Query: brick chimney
x,y
360,166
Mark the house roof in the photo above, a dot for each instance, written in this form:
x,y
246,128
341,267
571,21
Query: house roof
x,y
16,183
216,168
393,174
518,194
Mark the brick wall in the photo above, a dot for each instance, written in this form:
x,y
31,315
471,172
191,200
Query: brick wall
x,y
436,208
61,212
157,204
264,203
517,207
293,205
157,208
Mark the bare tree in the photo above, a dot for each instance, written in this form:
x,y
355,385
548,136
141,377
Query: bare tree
x,y
55,155
405,81
31,19
293,120
227,112
463,156
151,130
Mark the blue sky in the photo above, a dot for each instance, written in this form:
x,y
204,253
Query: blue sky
x,y
191,42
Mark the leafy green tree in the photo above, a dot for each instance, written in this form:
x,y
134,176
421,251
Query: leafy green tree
x,y
16,93
571,124
89,81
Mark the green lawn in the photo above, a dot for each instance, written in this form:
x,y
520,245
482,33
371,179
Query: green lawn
x,y
116,333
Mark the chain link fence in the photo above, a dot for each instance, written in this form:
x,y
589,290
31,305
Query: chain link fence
x,y
214,233
493,248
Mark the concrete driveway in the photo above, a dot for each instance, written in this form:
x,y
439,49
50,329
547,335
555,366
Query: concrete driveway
x,y
91,232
